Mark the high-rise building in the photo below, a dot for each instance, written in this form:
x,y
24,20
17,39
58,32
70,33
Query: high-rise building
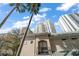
x,y
49,26
40,28
69,22
44,43
46,26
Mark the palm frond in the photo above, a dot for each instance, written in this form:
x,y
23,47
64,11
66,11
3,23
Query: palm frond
x,y
12,4
33,7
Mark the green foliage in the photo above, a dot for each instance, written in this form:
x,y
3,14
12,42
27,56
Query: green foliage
x,y
12,4
9,44
20,7
33,8
75,53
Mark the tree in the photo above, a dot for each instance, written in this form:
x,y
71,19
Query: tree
x,y
9,44
20,7
33,8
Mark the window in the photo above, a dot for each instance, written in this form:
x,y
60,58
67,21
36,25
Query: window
x,y
42,47
31,42
53,51
25,42
63,39
73,38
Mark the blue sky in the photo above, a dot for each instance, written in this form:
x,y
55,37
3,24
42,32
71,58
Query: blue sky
x,y
48,11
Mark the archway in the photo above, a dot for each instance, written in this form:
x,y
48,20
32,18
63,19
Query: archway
x,y
42,47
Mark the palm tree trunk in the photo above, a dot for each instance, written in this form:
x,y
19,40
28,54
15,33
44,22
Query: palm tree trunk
x,y
5,19
22,41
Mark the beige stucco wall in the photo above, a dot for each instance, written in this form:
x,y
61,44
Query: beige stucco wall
x,y
28,48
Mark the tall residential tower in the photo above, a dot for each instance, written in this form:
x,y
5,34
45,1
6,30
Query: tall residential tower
x,y
69,22
46,26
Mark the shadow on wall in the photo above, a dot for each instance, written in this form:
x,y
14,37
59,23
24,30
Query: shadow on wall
x,y
67,46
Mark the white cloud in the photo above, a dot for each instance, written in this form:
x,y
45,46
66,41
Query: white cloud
x,y
7,12
39,17
5,30
32,29
36,18
78,12
56,24
24,23
76,9
25,17
65,6
17,24
20,24
73,10
45,9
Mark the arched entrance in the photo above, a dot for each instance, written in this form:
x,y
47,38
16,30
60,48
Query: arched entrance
x,y
42,48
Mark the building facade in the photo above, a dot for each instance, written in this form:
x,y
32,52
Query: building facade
x,y
44,27
46,43
69,22
50,44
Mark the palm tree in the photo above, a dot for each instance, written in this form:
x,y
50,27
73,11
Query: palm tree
x,y
33,8
20,7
